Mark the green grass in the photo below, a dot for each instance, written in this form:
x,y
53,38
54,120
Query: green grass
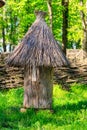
x,y
70,111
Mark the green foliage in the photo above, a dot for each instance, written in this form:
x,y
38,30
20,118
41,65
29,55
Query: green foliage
x,y
75,24
19,15
70,111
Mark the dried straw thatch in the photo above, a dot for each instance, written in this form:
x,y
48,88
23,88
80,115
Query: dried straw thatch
x,y
2,3
38,47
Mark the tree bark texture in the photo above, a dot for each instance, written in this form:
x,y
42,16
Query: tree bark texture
x,y
65,4
38,94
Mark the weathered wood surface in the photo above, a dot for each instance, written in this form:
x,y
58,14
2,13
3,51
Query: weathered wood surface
x,y
38,94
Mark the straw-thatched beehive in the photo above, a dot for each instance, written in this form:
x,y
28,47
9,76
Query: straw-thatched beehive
x,y
38,54
2,3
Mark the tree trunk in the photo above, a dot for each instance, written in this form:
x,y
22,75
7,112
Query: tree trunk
x,y
49,4
3,36
84,25
4,31
38,94
65,4
85,44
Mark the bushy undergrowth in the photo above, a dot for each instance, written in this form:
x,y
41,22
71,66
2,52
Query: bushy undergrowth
x,y
70,111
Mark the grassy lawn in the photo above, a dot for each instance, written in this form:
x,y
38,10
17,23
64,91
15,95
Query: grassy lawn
x,y
70,111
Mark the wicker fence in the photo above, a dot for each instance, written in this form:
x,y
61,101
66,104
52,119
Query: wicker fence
x,y
9,76
13,77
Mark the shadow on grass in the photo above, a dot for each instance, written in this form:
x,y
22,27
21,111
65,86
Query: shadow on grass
x,y
8,119
12,118
72,107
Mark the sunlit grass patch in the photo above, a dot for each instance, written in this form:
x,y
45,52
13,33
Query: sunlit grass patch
x,y
70,111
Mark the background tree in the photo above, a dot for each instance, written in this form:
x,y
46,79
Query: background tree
x,y
49,4
83,12
3,29
74,25
19,16
65,4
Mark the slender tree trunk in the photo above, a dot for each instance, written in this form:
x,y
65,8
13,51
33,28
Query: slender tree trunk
x,y
49,4
84,25
38,90
3,37
65,4
4,31
85,42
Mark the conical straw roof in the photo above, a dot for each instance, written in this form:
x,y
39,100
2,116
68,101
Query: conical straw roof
x,y
38,47
2,3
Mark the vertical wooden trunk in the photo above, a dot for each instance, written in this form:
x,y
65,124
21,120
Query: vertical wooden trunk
x,y
65,4
4,40
38,94
85,44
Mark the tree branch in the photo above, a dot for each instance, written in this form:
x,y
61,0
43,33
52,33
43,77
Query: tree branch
x,y
49,4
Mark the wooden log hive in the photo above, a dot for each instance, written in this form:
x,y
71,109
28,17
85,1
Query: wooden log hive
x,y
38,92
38,54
